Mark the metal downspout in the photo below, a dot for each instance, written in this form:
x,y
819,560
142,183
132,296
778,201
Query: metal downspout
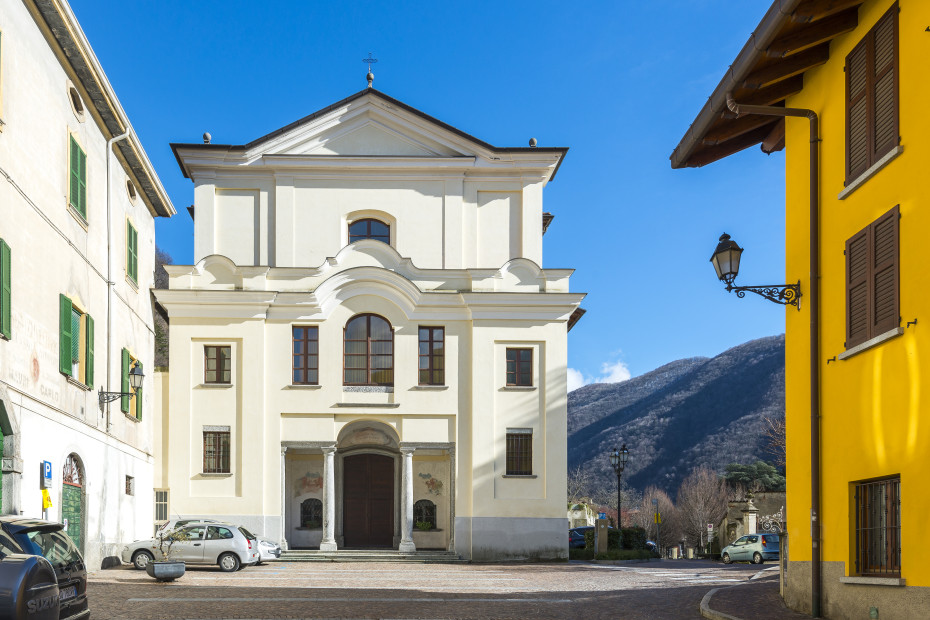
x,y
110,142
814,301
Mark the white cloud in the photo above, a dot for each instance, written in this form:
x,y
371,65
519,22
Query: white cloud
x,y
611,372
575,379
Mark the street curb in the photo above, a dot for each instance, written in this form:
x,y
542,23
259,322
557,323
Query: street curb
x,y
707,612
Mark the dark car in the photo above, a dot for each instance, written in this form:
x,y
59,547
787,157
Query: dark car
x,y
19,535
576,536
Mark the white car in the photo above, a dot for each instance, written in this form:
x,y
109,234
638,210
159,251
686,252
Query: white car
x,y
268,550
228,546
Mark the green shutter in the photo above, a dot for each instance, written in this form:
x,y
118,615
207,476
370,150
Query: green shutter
x,y
89,357
64,335
139,397
83,181
78,165
124,385
6,291
132,252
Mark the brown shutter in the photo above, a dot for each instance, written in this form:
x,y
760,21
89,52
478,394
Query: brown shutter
x,y
857,126
885,84
857,289
884,274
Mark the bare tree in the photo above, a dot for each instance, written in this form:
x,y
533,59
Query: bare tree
x,y
579,485
162,258
775,432
702,499
668,532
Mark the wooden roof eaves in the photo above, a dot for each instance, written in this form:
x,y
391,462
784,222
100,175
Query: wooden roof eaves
x,y
755,58
560,150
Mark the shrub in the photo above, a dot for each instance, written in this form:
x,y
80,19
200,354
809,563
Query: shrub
x,y
627,538
423,526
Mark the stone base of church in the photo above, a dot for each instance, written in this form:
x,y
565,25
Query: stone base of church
x,y
493,539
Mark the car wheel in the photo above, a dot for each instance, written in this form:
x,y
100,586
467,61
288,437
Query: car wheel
x,y
757,558
141,559
726,558
228,562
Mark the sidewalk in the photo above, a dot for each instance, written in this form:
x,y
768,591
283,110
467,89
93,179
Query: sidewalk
x,y
756,600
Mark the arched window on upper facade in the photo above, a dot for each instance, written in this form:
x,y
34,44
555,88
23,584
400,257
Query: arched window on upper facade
x,y
424,512
369,229
311,513
368,351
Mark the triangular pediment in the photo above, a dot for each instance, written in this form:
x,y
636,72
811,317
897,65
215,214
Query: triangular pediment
x,y
371,138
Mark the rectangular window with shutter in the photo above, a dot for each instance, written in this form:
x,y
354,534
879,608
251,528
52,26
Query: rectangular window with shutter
x,y
872,295
132,252
77,192
872,96
75,342
6,292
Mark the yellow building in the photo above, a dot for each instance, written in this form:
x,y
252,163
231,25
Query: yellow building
x,y
854,372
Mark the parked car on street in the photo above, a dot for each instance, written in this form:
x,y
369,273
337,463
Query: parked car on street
x,y
230,547
19,535
755,548
268,550
576,536
173,524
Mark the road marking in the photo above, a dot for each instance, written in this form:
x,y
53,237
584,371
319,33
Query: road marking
x,y
297,599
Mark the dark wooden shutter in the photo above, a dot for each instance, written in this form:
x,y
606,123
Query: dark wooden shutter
x,y
64,335
139,397
124,383
884,273
884,84
857,289
857,125
6,291
89,348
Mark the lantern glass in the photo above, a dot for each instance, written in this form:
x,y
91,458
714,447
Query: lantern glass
x,y
726,259
624,454
614,458
136,377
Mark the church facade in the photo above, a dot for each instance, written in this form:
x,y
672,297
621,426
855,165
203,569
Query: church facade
x,y
367,352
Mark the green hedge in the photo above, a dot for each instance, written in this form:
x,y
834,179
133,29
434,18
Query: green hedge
x,y
627,538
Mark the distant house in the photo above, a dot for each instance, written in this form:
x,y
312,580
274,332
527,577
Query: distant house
x,y
857,220
733,525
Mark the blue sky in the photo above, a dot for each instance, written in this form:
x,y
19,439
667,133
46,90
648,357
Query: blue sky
x,y
617,82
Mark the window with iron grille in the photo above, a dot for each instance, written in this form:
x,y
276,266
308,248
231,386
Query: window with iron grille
x,y
217,364
519,367
432,356
368,357
305,362
130,485
878,527
161,505
424,511
311,513
519,452
216,452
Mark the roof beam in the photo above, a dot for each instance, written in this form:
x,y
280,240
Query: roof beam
x,y
779,91
729,147
818,32
736,127
788,66
811,10
775,141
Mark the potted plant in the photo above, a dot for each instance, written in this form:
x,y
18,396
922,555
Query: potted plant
x,y
424,526
168,569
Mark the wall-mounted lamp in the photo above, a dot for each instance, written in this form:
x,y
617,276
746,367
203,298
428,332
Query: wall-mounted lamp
x,y
726,263
135,382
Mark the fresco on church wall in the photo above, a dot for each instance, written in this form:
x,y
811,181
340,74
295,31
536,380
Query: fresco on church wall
x,y
433,485
310,482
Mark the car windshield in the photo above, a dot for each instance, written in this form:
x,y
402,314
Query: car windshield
x,y
249,535
56,547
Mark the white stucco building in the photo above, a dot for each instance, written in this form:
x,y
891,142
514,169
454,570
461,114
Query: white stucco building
x,y
367,352
75,214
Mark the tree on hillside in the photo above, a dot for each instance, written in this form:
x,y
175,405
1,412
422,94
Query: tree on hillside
x,y
162,258
702,499
775,432
756,477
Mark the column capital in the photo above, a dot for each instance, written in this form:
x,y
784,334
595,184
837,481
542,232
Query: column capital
x,y
283,450
328,449
407,451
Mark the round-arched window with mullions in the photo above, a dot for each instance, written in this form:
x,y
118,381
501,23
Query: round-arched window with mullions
x,y
369,229
368,351
424,515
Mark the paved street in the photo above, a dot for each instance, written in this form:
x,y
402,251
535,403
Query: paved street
x,y
340,590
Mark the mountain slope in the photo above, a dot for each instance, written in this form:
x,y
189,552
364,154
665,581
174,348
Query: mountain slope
x,y
691,412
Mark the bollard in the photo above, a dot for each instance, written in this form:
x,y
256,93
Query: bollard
x,y
600,536
674,553
690,553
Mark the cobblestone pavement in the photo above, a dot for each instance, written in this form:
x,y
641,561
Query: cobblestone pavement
x,y
758,600
666,589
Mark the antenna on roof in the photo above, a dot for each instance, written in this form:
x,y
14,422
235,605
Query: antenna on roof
x,y
371,76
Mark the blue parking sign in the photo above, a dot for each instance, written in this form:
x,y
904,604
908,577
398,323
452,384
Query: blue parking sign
x,y
46,474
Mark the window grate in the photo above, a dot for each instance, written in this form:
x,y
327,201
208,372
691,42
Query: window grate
x,y
215,452
519,454
878,527
161,505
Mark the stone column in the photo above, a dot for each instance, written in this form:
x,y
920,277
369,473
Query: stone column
x,y
750,513
406,521
329,499
283,540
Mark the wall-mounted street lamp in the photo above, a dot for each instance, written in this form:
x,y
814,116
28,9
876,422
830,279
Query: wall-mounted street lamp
x,y
135,382
618,459
726,262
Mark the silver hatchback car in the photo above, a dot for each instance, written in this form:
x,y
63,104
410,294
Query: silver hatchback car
x,y
755,548
228,546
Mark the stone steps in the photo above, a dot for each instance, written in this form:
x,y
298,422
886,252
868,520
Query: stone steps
x,y
371,555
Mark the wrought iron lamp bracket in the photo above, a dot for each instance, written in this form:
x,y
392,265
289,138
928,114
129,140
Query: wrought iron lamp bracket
x,y
785,294
109,397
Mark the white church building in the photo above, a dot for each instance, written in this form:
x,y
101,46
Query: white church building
x,y
368,352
